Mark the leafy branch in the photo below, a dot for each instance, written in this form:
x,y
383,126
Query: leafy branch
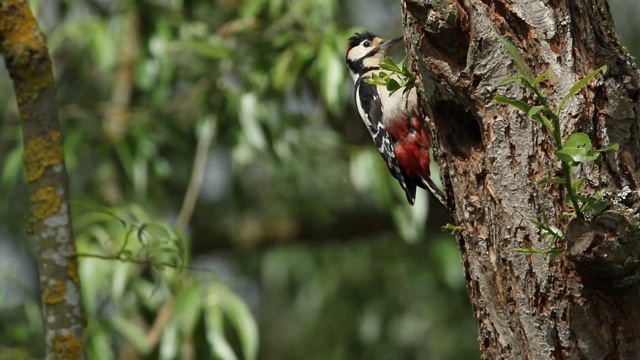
x,y
399,76
577,149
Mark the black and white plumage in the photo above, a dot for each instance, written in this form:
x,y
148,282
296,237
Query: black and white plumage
x,y
393,120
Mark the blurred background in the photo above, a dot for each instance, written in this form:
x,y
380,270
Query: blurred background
x,y
214,149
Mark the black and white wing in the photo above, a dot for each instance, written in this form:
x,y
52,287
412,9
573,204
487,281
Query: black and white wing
x,y
370,108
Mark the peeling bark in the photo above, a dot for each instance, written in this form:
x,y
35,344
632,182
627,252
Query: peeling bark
x,y
27,59
585,304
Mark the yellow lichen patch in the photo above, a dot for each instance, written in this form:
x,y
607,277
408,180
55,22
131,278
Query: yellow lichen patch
x,y
66,346
45,202
17,23
54,294
40,153
25,51
55,136
72,268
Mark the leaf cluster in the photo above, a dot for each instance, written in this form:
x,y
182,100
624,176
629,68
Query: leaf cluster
x,y
399,76
139,265
577,149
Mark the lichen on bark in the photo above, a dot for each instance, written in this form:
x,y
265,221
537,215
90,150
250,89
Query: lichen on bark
x,y
26,56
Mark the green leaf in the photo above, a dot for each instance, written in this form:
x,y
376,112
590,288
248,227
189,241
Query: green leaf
x,y
516,78
538,223
572,156
547,230
281,72
169,342
242,321
133,334
577,149
540,79
578,140
557,180
393,86
595,203
388,64
555,252
531,251
214,325
577,185
545,122
610,147
577,86
553,231
521,65
332,71
211,49
521,105
535,110
453,229
188,308
375,79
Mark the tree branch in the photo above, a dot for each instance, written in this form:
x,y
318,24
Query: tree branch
x,y
27,59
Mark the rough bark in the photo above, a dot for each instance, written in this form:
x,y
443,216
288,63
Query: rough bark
x,y
27,59
584,304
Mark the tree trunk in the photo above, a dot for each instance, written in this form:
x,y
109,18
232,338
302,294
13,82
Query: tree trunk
x,y
585,303
27,58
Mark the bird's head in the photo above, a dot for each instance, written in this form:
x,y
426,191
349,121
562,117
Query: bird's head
x,y
365,52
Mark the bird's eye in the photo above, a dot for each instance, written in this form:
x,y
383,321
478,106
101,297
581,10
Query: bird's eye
x,y
366,43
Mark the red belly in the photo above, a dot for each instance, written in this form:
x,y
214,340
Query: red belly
x,y
412,145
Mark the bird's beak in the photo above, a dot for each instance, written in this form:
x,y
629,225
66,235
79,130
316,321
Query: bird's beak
x,y
385,46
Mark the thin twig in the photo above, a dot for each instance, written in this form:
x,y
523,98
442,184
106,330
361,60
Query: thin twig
x,y
141,262
207,133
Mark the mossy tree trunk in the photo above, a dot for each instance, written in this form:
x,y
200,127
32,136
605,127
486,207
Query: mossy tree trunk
x,y
584,304
27,59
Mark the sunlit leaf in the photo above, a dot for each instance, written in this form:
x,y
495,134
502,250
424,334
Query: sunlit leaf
x,y
169,342
249,121
521,105
577,86
388,64
542,119
241,320
332,72
578,140
188,308
509,80
535,110
133,334
610,147
214,323
518,60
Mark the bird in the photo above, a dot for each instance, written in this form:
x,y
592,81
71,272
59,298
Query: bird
x,y
394,120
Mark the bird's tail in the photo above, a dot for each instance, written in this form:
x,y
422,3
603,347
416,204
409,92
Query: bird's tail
x,y
428,184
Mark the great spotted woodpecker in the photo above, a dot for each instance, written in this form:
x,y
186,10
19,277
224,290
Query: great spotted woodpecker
x,y
393,120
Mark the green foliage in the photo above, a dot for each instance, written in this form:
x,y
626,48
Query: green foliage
x,y
549,233
140,265
577,149
399,76
453,229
